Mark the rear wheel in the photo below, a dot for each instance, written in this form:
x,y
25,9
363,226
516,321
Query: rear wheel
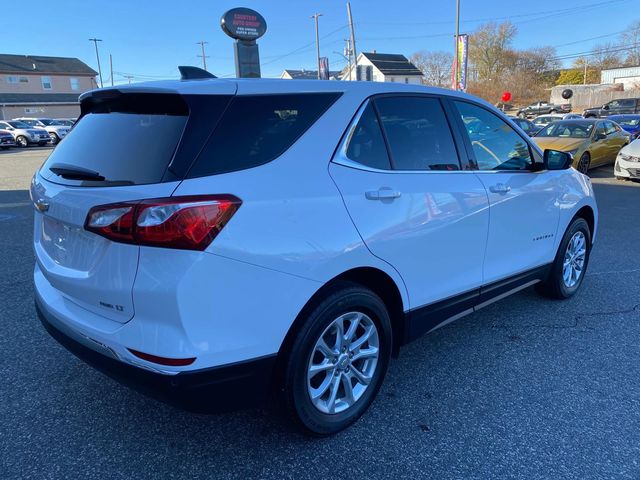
x,y
583,163
338,360
570,264
22,141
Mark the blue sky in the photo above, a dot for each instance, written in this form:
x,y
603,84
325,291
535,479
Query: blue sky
x,y
149,39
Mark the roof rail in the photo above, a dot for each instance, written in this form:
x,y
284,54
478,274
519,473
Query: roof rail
x,y
193,73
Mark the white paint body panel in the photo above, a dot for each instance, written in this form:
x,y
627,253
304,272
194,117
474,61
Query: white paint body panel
x,y
293,233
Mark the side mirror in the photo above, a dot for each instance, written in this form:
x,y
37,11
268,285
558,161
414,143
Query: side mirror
x,y
557,160
605,107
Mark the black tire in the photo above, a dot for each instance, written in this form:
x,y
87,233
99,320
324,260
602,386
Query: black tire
x,y
522,115
54,138
21,141
553,111
584,163
554,285
344,298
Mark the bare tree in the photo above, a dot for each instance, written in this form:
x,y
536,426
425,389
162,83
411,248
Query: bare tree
x,y
631,39
435,66
488,47
605,55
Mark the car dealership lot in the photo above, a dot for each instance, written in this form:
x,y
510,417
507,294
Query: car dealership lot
x,y
526,387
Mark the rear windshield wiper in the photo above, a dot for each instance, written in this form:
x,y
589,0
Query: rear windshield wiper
x,y
72,172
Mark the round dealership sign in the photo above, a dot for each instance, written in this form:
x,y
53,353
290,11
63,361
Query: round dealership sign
x,y
243,24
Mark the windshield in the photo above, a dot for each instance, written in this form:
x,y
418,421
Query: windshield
x,y
628,121
48,122
15,124
567,130
66,123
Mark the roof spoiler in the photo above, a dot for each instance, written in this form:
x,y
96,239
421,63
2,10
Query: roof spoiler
x,y
194,73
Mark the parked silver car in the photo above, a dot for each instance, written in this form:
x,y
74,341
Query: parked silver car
x,y
25,134
56,130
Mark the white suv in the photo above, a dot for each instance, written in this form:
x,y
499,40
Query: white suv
x,y
243,237
56,129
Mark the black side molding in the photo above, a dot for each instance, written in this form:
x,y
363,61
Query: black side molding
x,y
193,73
424,319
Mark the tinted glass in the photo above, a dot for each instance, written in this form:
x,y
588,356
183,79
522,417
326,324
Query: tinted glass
x,y
418,133
257,129
366,144
496,145
609,128
567,130
626,103
122,147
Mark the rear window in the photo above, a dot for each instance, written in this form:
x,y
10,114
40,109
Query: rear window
x,y
128,139
256,129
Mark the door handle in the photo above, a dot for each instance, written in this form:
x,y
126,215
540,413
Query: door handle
x,y
383,193
500,188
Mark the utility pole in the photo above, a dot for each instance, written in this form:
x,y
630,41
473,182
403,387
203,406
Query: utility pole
x,y
111,67
95,43
129,77
584,81
456,62
316,16
353,40
202,43
347,55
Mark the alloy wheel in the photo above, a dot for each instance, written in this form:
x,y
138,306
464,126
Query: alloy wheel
x,y
343,362
574,259
583,164
22,141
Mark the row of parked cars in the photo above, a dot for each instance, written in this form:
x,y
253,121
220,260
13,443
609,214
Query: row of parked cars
x,y
23,132
598,137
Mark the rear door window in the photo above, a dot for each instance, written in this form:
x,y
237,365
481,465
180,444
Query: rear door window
x,y
256,129
418,133
366,144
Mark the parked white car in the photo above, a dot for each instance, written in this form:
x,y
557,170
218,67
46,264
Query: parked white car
x,y
24,134
296,238
56,130
628,162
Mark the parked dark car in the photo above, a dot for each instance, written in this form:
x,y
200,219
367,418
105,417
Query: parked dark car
x,y
540,108
6,140
629,123
614,107
528,127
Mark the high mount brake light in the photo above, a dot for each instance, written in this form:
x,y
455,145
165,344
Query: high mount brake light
x,y
190,222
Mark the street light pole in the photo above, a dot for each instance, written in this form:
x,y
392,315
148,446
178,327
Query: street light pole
x,y
316,16
95,42
456,63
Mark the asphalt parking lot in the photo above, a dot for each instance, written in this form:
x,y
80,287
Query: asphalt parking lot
x,y
526,388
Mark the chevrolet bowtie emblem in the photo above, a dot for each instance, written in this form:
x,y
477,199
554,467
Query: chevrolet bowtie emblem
x,y
41,205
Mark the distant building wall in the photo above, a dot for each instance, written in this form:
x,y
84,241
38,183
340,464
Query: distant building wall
x,y
29,83
586,96
46,111
628,76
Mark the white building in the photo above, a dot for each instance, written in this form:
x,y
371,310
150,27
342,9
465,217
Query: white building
x,y
628,76
383,67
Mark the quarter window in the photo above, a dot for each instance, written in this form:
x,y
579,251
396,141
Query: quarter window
x,y
46,83
366,143
496,146
418,133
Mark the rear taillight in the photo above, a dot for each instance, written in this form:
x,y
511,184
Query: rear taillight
x,y
175,222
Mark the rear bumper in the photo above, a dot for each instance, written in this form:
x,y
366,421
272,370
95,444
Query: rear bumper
x,y
229,387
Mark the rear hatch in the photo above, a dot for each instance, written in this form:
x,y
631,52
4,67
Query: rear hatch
x,y
126,146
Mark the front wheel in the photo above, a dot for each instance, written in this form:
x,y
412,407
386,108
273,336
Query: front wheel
x,y
522,115
54,138
22,141
553,111
569,267
583,163
338,360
